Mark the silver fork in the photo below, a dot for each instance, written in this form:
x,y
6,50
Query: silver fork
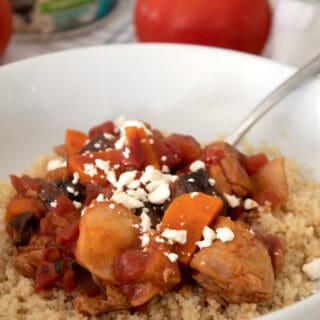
x,y
302,74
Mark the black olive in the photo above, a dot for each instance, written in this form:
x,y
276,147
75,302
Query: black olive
x,y
98,143
75,192
50,191
155,213
23,226
197,181
48,194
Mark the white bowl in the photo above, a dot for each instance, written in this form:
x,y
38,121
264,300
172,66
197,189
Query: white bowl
x,y
196,90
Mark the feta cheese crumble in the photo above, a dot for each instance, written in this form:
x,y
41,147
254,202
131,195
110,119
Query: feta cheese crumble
x,y
90,169
126,200
76,178
145,223
173,235
111,177
160,195
55,164
232,200
208,236
53,204
197,165
173,257
250,204
108,136
165,169
224,234
312,269
145,239
124,179
100,198
77,204
103,165
72,190
194,194
139,194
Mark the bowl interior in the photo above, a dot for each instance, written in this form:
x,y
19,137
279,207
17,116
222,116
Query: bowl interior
x,y
195,90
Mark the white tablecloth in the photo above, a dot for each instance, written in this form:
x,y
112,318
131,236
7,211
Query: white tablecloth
x,y
294,38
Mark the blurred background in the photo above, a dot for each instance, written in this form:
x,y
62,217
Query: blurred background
x,y
287,31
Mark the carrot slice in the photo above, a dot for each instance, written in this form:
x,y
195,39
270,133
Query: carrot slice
x,y
191,212
75,140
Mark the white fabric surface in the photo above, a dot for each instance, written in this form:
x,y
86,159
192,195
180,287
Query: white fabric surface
x,y
294,38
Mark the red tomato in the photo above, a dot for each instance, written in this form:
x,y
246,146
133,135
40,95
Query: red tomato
x,y
252,164
5,24
236,24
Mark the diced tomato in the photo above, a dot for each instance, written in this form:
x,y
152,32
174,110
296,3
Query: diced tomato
x,y
64,206
46,274
94,189
69,249
68,233
47,227
267,196
25,183
75,141
212,154
77,163
140,148
165,153
276,248
68,282
105,127
130,265
253,164
186,148
135,157
51,254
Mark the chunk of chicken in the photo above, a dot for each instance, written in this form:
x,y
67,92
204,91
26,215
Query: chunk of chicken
x,y
26,263
272,178
233,170
221,184
112,301
105,229
236,271
140,293
276,248
235,175
28,257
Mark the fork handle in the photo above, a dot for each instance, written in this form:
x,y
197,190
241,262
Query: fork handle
x,y
305,72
